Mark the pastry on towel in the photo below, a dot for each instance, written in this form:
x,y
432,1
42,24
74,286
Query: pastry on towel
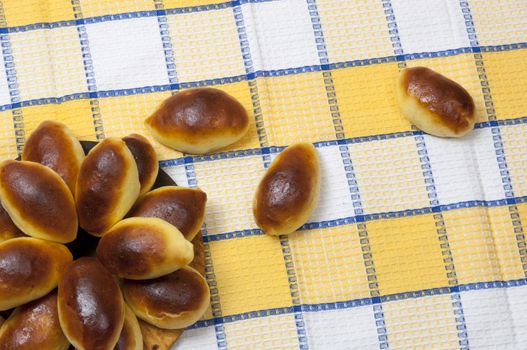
x,y
38,201
144,248
90,305
199,121
435,104
289,190
34,326
107,187
53,144
29,269
172,301
131,337
145,158
179,206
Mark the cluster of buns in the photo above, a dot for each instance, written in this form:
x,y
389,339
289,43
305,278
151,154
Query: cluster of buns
x,y
140,268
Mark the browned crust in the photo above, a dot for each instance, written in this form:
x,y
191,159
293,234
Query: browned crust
x,y
39,197
101,184
449,101
195,114
91,307
181,207
34,326
52,144
29,265
287,187
145,158
8,229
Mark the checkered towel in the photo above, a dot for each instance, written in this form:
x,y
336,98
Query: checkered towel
x,y
417,242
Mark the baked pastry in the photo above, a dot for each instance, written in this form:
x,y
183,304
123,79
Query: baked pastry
x,y
53,144
8,229
199,121
131,337
172,301
29,269
107,187
145,158
34,326
179,206
288,192
38,201
144,248
435,104
90,305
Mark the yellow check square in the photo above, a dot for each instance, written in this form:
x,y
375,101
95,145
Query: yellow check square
x,y
295,109
7,136
367,102
270,332
201,53
507,79
22,12
421,323
250,274
506,243
515,144
92,8
389,175
230,185
354,29
472,245
329,265
462,69
406,254
77,116
499,23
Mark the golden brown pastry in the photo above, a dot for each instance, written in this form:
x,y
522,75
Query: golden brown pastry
x,y
53,144
131,337
435,104
199,121
8,228
179,206
34,326
145,158
172,301
90,305
29,269
107,187
144,248
38,201
288,192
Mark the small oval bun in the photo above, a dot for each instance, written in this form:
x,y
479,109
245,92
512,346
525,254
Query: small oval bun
x,y
199,121
8,229
29,269
288,192
435,104
144,248
53,144
179,206
90,305
34,326
172,301
107,187
146,159
131,337
38,201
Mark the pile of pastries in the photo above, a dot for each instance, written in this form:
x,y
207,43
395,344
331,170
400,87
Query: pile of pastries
x,y
140,269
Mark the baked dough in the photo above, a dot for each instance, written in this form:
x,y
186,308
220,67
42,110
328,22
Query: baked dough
x,y
145,158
